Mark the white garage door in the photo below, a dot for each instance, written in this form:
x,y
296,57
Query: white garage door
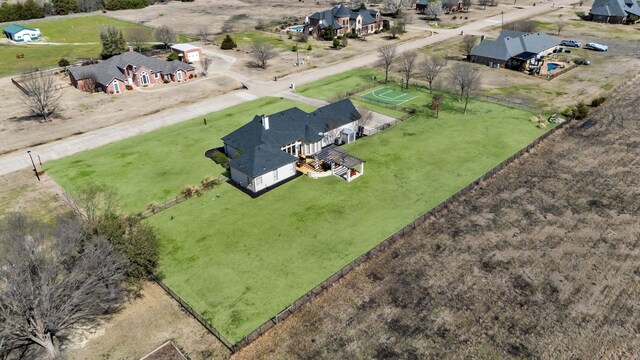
x,y
193,56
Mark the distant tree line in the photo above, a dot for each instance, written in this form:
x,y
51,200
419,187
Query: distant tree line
x,y
32,9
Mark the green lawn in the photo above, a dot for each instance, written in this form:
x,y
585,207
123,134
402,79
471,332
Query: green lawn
x,y
41,56
133,165
84,29
238,260
338,84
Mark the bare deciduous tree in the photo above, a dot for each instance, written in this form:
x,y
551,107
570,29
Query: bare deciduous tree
x,y
227,27
394,6
303,36
431,67
466,4
387,55
397,29
166,35
366,117
466,78
484,3
41,93
467,44
560,24
51,281
90,5
434,9
527,26
204,33
407,65
205,62
261,52
138,36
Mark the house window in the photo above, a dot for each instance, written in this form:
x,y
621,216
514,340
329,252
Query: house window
x,y
144,79
259,180
116,86
156,76
179,75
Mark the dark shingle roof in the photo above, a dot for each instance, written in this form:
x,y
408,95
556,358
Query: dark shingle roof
x,y
619,8
107,70
511,43
341,11
257,144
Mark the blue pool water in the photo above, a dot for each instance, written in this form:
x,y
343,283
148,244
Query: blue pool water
x,y
298,28
551,67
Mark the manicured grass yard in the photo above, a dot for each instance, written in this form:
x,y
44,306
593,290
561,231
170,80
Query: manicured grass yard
x,y
41,56
157,165
84,29
237,260
328,88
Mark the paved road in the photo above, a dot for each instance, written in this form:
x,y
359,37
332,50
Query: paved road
x,y
18,160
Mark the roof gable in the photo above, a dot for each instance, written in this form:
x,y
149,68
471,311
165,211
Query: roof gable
x,y
511,43
285,127
15,28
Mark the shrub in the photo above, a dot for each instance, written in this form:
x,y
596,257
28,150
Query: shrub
x,y
207,182
220,158
598,101
336,43
153,207
454,17
580,14
189,190
63,62
309,47
289,35
228,43
294,48
172,57
344,42
166,81
580,111
125,4
568,112
386,25
377,31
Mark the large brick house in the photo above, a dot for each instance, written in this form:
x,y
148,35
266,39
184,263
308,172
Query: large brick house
x,y
130,68
343,20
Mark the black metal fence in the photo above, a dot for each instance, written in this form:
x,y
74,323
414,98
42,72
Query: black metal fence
x,y
327,283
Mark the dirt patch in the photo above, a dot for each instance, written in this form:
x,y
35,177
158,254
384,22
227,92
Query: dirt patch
x,y
543,262
81,111
22,192
143,325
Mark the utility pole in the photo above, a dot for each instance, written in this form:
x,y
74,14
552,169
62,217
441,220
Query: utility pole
x,y
502,13
35,170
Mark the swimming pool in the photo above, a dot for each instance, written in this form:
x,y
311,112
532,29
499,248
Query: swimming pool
x,y
551,67
297,28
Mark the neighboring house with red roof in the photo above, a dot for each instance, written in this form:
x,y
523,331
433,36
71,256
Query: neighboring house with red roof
x,y
344,21
130,68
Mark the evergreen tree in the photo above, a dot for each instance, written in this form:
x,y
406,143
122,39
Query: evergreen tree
x,y
228,43
32,10
64,7
113,42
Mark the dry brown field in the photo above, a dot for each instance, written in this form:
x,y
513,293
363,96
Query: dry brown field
x,y
542,262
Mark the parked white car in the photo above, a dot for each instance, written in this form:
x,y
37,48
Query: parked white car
x,y
570,43
596,47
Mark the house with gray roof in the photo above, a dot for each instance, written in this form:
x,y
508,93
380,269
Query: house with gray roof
x,y
514,49
344,21
614,11
267,150
129,69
